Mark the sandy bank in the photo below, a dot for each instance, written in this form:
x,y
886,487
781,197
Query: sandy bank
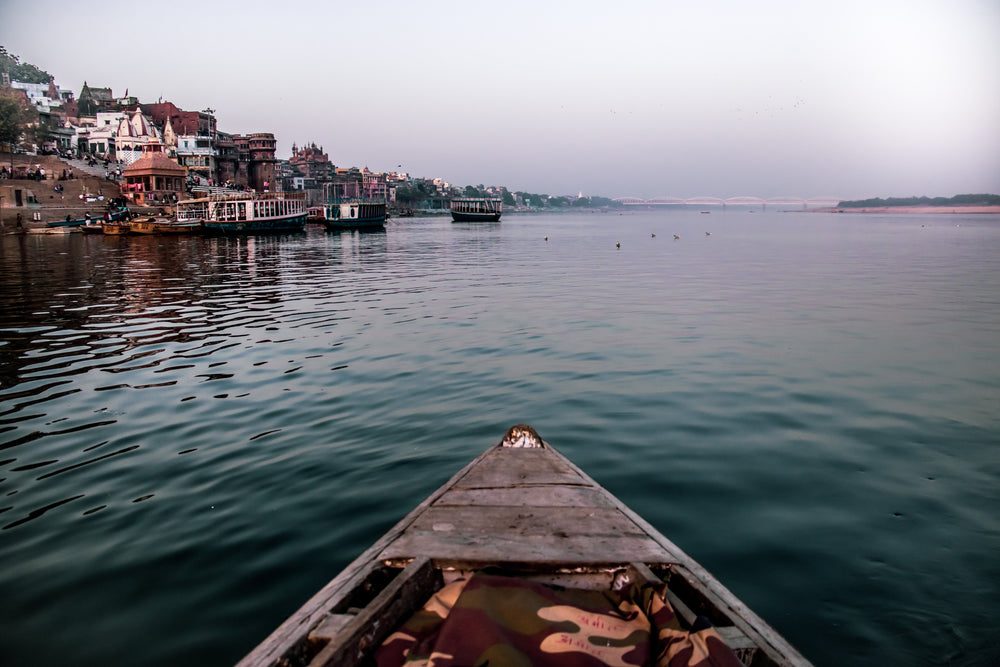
x,y
911,209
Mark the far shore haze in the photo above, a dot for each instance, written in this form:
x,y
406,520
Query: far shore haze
x,y
910,209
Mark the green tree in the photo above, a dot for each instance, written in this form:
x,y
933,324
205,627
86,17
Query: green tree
x,y
19,71
471,192
13,118
508,198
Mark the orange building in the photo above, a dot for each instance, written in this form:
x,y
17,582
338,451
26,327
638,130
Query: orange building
x,y
154,180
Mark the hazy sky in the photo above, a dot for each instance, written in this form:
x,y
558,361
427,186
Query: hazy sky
x,y
852,98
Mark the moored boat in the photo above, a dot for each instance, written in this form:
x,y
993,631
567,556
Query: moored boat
x,y
68,222
355,214
116,227
92,227
164,226
247,212
476,209
316,214
524,534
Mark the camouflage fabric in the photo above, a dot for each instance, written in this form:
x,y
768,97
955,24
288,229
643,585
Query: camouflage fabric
x,y
495,621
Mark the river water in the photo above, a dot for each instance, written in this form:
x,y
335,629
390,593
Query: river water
x,y
197,433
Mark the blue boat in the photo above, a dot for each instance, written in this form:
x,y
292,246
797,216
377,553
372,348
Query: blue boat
x,y
246,213
68,222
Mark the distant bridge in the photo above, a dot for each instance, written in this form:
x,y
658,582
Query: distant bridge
x,y
731,201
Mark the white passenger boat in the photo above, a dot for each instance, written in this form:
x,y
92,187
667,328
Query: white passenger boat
x,y
246,212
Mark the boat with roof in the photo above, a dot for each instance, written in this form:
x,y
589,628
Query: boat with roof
x,y
476,209
246,212
355,213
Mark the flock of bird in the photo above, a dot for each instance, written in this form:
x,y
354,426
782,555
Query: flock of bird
x,y
653,235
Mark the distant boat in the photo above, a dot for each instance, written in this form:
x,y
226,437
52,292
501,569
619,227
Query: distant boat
x,y
246,212
355,214
477,209
316,214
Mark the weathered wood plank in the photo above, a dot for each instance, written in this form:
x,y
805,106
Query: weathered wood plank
x,y
518,548
506,467
381,617
524,496
331,625
527,521
568,534
310,613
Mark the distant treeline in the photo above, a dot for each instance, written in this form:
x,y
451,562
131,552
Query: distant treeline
x,y
957,200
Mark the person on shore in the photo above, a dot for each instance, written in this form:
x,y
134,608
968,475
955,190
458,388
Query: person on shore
x,y
20,222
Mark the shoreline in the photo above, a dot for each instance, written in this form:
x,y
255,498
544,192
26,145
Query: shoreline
x,y
909,209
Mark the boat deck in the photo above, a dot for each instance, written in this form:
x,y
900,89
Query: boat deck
x,y
531,506
532,513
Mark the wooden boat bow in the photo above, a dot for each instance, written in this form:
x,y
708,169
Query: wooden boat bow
x,y
525,508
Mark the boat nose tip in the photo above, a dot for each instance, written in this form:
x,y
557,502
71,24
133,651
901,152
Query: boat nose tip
x,y
522,436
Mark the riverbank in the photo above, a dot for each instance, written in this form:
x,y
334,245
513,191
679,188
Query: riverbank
x,y
908,209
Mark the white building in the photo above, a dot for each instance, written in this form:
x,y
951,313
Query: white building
x,y
39,95
133,137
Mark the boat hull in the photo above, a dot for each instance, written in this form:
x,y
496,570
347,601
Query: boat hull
x,y
68,223
156,227
457,216
357,223
116,228
294,223
355,214
525,509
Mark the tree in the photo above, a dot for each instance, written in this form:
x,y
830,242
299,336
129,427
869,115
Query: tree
x,y
25,72
508,198
471,192
13,118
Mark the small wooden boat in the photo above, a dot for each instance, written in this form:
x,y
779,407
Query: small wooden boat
x,y
523,508
476,209
163,226
68,222
92,227
115,227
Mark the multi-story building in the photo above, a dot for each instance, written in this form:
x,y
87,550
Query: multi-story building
x,y
228,168
93,100
257,151
311,162
201,123
198,156
374,185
